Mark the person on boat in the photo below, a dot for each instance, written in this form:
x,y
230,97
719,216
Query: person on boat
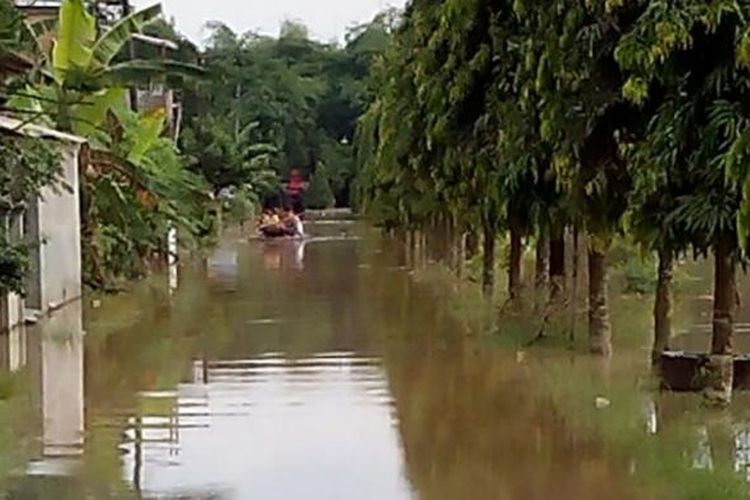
x,y
295,190
293,224
271,225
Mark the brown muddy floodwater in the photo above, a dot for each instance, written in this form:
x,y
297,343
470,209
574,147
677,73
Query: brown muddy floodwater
x,y
316,370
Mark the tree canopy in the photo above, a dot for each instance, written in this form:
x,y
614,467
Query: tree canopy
x,y
536,116
297,100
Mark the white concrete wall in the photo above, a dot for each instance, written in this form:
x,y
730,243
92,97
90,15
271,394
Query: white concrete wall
x,y
60,231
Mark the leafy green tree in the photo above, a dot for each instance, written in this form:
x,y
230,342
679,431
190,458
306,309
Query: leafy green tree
x,y
304,98
320,194
226,159
11,27
28,165
690,61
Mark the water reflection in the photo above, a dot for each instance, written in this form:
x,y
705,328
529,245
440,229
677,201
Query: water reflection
x,y
284,255
282,427
56,359
223,266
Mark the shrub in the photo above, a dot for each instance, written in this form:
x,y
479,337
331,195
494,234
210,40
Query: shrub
x,y
320,194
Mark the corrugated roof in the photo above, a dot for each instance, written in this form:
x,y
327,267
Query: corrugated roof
x,y
32,130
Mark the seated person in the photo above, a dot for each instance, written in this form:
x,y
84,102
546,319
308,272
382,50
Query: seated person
x,y
271,226
293,224
265,218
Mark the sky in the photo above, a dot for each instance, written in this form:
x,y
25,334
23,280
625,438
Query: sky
x,y
327,20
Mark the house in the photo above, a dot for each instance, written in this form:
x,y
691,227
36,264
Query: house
x,y
51,224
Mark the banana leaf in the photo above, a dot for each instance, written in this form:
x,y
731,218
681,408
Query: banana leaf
x,y
113,40
75,38
145,71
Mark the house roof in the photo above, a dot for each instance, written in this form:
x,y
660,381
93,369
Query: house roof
x,y
16,126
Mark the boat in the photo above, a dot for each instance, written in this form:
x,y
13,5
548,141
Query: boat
x,y
273,231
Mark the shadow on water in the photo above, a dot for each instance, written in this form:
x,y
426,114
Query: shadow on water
x,y
321,369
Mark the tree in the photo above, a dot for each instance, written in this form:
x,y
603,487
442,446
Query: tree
x,y
226,159
699,82
320,194
304,98
28,165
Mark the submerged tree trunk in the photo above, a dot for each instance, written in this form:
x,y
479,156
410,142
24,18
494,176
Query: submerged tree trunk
x,y
446,243
488,260
720,366
541,275
600,329
461,255
724,300
557,265
411,248
663,306
574,286
514,264
472,244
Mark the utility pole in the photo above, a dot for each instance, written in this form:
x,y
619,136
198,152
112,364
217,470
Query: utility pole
x,y
132,91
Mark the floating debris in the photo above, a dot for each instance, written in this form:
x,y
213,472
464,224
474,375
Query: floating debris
x,y
601,403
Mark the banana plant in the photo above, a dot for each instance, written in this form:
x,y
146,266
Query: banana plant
x,y
86,80
135,182
82,61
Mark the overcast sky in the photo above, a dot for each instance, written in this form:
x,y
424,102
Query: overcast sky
x,y
326,19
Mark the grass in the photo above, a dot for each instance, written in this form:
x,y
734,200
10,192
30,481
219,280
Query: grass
x,y
663,461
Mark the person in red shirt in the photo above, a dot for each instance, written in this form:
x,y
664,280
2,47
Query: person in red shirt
x,y
295,190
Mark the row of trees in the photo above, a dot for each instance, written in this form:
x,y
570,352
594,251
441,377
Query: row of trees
x,y
541,117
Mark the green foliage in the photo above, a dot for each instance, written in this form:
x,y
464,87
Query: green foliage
x,y
640,275
13,265
86,73
617,116
242,205
134,205
338,159
320,194
83,60
135,185
226,158
10,27
300,99
28,165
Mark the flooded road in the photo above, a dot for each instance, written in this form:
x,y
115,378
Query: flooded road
x,y
320,370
